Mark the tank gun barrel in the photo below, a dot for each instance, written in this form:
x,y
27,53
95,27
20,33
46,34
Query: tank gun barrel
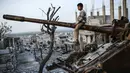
x,y
100,29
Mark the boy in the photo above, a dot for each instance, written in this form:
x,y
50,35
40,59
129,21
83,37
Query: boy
x,y
81,20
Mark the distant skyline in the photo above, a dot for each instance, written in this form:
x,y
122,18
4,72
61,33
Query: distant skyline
x,y
30,8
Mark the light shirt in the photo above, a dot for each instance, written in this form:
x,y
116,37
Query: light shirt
x,y
82,17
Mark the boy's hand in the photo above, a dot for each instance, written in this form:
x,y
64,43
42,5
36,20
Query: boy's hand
x,y
74,25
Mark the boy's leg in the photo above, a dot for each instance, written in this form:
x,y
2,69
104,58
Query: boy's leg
x,y
76,31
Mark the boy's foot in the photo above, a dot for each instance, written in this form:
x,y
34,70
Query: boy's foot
x,y
76,42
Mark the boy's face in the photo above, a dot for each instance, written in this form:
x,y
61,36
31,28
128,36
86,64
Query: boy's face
x,y
79,8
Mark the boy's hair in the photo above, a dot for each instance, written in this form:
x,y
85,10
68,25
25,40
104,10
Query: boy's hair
x,y
80,4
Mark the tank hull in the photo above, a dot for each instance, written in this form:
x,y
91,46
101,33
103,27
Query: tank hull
x,y
120,63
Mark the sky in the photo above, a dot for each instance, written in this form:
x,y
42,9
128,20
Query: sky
x,y
30,8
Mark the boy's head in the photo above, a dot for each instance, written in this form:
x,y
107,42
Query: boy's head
x,y
80,6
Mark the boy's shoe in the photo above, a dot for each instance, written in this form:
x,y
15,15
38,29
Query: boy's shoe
x,y
76,42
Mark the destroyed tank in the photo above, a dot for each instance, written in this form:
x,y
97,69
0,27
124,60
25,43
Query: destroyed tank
x,y
114,57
